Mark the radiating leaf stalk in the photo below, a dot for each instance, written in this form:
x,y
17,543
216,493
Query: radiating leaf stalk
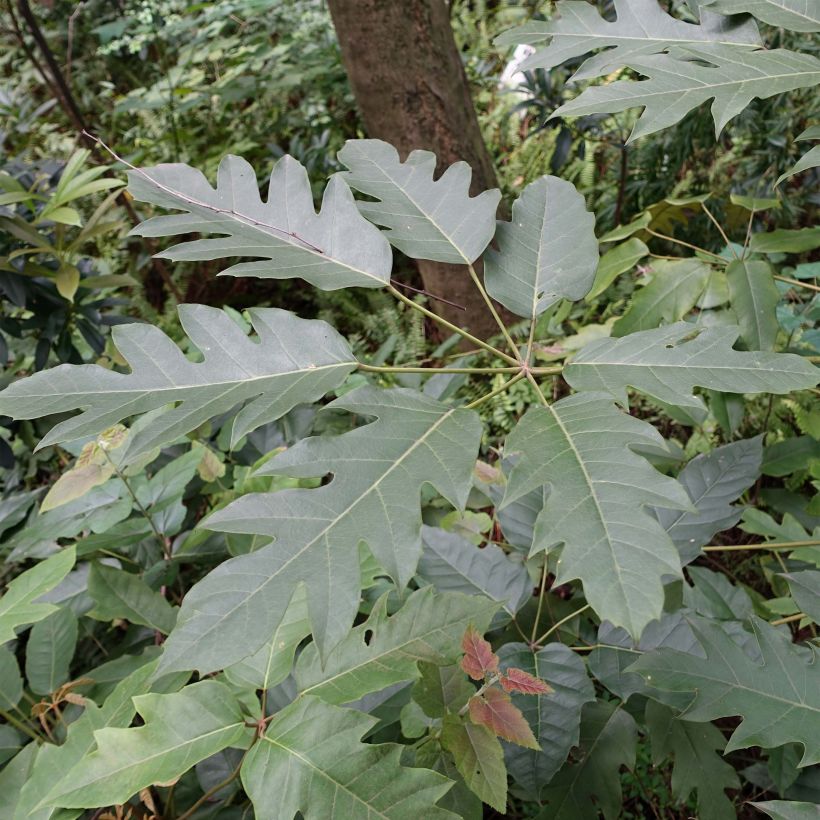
x,y
541,592
771,545
492,394
558,625
789,620
489,302
20,726
217,788
797,283
720,229
689,245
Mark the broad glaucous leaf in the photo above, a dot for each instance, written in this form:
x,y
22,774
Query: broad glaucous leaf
x,y
441,689
591,783
642,27
11,681
712,594
783,240
811,159
311,760
10,742
616,261
14,775
479,759
581,447
555,718
119,594
732,79
425,218
754,298
382,651
713,481
19,607
546,253
378,470
778,698
674,289
337,248
49,651
180,729
790,455
294,360
796,15
668,362
453,564
805,589
788,809
697,767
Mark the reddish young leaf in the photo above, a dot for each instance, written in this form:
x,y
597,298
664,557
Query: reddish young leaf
x,y
479,659
494,710
517,680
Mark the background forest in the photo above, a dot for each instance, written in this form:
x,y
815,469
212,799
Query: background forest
x,y
690,226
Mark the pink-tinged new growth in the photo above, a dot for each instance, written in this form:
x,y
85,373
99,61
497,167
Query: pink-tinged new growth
x,y
495,710
479,659
517,680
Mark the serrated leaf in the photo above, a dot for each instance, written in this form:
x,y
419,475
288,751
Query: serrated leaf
x,y
548,251
18,605
379,469
295,360
713,481
494,709
479,660
797,15
517,680
642,27
311,760
555,717
479,759
732,80
616,261
592,783
778,699
787,809
581,448
697,766
805,589
285,233
49,651
120,594
383,651
754,297
425,218
668,362
673,291
452,564
180,729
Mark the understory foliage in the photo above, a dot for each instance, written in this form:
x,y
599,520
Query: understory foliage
x,y
278,575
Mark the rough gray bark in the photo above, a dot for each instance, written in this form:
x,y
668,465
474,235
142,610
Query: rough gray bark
x,y
409,83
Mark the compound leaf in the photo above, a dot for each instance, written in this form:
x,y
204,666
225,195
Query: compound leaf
x,y
778,699
338,248
732,80
426,218
180,730
383,651
668,362
295,360
581,448
546,253
555,717
379,469
311,760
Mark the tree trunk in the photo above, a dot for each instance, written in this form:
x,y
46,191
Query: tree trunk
x,y
411,89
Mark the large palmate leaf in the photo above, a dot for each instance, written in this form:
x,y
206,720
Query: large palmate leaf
x,y
754,298
672,292
581,449
311,760
732,80
779,698
285,233
697,764
548,252
668,362
454,564
19,606
797,15
425,218
383,651
378,471
180,730
555,718
294,360
642,27
713,480
591,783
